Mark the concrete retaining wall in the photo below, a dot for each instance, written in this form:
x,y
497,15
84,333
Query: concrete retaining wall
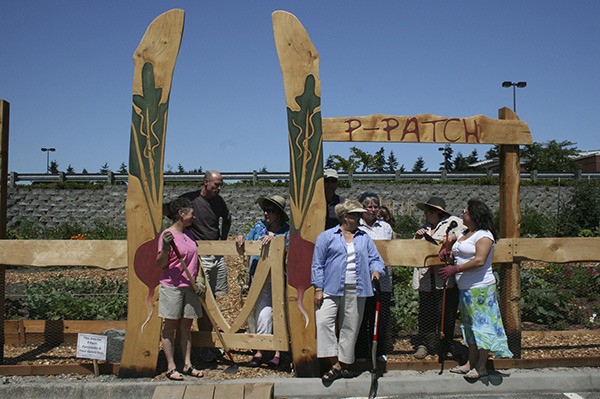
x,y
50,207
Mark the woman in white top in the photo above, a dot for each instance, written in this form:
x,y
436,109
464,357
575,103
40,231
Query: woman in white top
x,y
478,296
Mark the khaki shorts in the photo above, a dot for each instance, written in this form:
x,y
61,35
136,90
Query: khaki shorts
x,y
178,302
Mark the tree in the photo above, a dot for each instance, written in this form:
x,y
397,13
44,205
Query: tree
x,y
105,168
70,170
180,168
123,168
378,162
552,156
364,158
473,157
447,152
493,152
460,163
338,162
53,168
84,171
392,162
419,165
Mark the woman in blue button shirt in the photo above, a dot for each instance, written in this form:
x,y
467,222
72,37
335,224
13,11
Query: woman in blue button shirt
x,y
345,261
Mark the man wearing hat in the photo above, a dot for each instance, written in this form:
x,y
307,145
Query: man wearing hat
x,y
430,284
332,199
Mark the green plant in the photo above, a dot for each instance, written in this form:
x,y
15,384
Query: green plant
x,y
541,303
405,309
76,299
406,225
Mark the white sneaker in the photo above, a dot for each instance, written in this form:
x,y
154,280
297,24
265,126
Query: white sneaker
x,y
382,358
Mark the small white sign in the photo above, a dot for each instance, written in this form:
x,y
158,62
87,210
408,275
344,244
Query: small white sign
x,y
91,346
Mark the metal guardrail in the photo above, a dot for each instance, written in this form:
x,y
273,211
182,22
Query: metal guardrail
x,y
255,177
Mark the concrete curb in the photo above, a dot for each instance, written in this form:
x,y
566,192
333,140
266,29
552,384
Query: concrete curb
x,y
393,384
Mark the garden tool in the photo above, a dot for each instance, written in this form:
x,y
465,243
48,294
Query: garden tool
x,y
441,348
374,372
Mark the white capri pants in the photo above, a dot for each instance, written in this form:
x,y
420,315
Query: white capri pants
x,y
347,310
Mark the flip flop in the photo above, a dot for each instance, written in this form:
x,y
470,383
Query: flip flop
x,y
194,372
473,374
174,375
458,370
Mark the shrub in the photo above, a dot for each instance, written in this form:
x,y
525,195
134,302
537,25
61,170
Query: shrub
x,y
541,303
406,225
76,299
405,309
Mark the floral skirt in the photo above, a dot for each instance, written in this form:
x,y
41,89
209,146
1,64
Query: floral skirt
x,y
481,321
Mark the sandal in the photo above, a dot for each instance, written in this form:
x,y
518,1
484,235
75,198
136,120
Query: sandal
x,y
347,373
459,370
273,363
174,375
194,372
332,375
255,362
475,375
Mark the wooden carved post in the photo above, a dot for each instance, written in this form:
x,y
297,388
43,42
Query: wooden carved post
x,y
154,62
4,117
299,62
510,227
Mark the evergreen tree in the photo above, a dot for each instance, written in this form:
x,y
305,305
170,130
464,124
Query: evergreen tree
x,y
492,152
53,168
105,168
392,163
419,165
123,168
84,171
70,170
447,152
552,156
180,168
460,163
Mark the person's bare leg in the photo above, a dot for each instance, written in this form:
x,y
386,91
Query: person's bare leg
x,y
481,365
185,342
167,340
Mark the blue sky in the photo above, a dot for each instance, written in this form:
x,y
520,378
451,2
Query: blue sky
x,y
66,69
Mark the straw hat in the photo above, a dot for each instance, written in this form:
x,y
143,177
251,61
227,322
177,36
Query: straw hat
x,y
435,203
276,200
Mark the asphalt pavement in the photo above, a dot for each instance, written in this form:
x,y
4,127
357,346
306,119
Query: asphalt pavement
x,y
570,382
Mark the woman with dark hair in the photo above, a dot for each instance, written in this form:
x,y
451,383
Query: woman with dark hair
x,y
178,304
480,317
274,223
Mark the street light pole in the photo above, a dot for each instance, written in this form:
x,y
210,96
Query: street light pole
x,y
48,151
514,86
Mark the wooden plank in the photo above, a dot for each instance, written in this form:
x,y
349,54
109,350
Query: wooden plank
x,y
426,128
229,391
420,253
105,254
558,250
200,391
259,390
299,61
4,123
169,392
154,63
510,227
57,369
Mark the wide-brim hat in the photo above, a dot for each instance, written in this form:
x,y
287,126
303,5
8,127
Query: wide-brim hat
x,y
276,200
435,203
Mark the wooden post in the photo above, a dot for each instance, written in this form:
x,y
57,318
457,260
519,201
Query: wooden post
x,y
299,61
510,227
4,119
154,63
